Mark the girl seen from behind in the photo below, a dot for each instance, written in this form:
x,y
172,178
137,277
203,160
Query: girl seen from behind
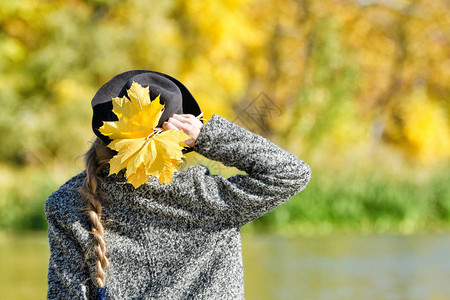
x,y
133,226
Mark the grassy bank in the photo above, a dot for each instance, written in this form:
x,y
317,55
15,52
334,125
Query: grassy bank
x,y
365,202
350,201
23,192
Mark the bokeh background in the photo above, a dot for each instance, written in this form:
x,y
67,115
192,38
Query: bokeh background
x,y
359,89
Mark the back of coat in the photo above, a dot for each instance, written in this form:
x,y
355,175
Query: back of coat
x,y
172,241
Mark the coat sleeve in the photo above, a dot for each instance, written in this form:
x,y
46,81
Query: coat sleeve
x,y
68,278
273,174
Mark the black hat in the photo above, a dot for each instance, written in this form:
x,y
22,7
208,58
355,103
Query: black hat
x,y
176,97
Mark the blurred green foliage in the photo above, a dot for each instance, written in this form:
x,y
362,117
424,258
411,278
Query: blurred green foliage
x,y
361,83
365,203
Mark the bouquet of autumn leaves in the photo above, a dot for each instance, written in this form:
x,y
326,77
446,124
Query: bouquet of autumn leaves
x,y
142,148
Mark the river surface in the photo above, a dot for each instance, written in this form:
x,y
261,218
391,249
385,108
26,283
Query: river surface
x,y
374,267
339,267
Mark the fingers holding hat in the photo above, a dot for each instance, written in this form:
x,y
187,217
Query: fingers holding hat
x,y
186,122
185,118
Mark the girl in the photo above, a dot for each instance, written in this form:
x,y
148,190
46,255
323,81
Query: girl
x,y
110,240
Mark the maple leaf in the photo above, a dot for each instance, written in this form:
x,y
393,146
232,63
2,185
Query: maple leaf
x,y
143,149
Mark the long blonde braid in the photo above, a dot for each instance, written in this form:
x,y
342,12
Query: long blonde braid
x,y
96,159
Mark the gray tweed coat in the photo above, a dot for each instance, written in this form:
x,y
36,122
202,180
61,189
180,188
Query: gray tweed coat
x,y
177,241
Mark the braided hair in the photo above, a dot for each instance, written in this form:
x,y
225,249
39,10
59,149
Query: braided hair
x,y
96,158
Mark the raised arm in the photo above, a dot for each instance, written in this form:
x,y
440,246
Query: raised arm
x,y
274,175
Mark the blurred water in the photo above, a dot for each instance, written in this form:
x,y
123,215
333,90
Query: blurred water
x,y
23,266
374,267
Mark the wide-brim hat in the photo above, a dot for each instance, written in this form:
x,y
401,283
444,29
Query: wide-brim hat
x,y
176,98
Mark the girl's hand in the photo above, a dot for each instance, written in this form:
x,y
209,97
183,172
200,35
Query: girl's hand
x,y
186,122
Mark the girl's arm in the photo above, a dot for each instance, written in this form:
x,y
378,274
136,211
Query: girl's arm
x,y
274,175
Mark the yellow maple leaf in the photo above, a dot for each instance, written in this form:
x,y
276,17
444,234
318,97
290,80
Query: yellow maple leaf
x,y
143,149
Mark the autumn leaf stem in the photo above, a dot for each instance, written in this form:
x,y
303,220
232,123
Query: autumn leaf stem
x,y
155,132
